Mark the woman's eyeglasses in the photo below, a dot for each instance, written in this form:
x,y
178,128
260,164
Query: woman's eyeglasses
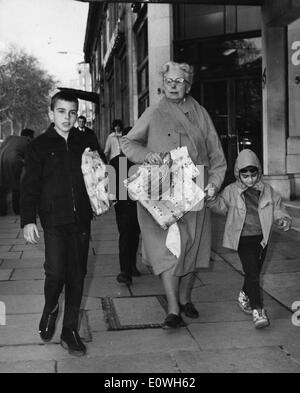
x,y
177,81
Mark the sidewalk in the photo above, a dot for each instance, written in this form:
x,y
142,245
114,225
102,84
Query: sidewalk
x,y
121,324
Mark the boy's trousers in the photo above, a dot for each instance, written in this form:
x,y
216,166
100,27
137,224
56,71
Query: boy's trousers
x,y
252,256
66,252
129,230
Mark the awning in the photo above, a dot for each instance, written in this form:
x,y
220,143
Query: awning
x,y
82,94
211,2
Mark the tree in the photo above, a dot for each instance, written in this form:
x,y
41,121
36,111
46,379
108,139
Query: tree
x,y
24,92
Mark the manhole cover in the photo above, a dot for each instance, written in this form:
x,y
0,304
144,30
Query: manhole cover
x,y
141,312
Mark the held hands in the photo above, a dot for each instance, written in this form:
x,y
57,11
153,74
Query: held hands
x,y
284,223
210,192
31,233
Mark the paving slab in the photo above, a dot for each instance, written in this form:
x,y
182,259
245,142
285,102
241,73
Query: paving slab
x,y
246,360
35,352
5,274
104,286
285,287
214,293
140,341
23,329
10,255
7,242
28,274
28,247
30,287
23,304
91,303
229,311
147,285
31,367
294,351
22,263
224,335
136,363
281,266
96,321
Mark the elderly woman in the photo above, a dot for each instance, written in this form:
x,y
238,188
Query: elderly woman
x,y
178,120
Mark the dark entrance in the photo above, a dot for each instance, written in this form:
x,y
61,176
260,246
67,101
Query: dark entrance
x,y
228,84
235,107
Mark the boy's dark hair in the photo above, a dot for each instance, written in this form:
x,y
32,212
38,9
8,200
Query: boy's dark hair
x,y
249,168
82,117
117,122
65,96
27,132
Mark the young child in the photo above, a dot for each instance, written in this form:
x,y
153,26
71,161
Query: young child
x,y
251,207
53,187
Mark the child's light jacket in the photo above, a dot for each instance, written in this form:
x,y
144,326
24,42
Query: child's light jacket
x,y
231,202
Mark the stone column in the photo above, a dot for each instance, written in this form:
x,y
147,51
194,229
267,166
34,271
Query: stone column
x,y
275,106
293,142
160,41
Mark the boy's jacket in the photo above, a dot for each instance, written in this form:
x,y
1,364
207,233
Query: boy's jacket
x,y
53,184
232,202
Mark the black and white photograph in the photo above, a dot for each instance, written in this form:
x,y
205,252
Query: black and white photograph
x,y
150,189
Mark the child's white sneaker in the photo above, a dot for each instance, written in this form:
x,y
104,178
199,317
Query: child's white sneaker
x,y
260,318
244,303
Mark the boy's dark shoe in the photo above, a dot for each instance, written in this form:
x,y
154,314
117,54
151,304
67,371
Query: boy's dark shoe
x,y
47,325
71,341
173,321
124,278
189,310
135,272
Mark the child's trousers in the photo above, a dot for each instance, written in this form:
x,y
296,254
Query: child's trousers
x,y
66,252
252,256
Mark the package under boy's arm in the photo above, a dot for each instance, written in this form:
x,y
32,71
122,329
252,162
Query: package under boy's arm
x,y
220,203
31,186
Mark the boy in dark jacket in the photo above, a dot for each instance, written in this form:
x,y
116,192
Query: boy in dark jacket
x,y
53,186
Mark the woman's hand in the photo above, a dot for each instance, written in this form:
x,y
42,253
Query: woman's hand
x,y
210,192
153,159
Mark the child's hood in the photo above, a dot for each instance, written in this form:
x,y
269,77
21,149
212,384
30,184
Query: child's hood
x,y
245,158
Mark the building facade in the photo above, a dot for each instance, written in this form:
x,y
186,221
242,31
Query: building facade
x,y
246,58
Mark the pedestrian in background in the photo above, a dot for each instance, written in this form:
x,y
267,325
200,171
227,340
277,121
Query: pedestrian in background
x,y
125,209
53,186
12,156
251,207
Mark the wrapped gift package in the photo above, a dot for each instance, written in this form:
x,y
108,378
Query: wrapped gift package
x,y
96,181
170,190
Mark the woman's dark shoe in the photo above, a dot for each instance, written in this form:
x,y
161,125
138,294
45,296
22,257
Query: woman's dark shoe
x,y
135,272
173,321
124,278
189,310
47,325
71,341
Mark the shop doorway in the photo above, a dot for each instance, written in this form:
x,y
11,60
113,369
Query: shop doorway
x,y
235,106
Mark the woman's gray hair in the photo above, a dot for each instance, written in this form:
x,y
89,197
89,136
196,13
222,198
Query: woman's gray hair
x,y
187,70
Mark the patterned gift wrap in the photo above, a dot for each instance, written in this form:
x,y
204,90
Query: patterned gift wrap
x,y
169,192
96,181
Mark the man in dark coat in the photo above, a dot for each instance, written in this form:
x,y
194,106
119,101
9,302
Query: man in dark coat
x,y
12,155
53,186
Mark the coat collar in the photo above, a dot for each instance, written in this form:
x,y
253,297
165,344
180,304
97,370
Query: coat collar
x,y
52,133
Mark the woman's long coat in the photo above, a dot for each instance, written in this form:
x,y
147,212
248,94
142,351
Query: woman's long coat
x,y
157,130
